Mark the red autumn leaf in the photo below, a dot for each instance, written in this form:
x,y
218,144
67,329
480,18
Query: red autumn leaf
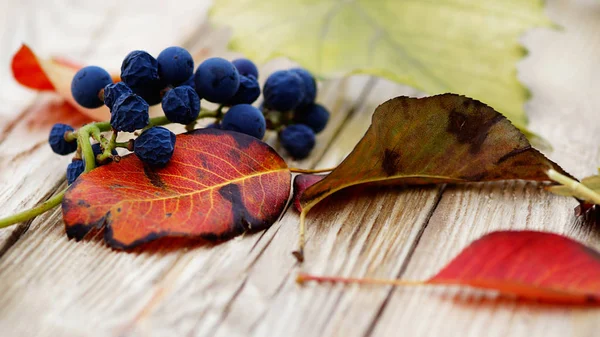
x,y
27,70
530,265
301,183
217,185
51,75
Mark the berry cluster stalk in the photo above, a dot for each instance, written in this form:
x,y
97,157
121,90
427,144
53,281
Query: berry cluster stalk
x,y
83,135
32,213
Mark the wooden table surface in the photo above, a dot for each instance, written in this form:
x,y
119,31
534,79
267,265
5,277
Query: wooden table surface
x,y
52,286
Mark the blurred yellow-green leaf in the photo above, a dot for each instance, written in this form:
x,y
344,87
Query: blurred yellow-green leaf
x,y
464,46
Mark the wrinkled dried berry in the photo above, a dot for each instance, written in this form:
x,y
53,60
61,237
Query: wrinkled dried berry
x,y
155,146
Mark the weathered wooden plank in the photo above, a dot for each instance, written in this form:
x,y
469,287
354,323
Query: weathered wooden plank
x,y
103,275
245,286
564,110
184,280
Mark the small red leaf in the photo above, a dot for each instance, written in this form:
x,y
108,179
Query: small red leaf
x,y
52,75
28,71
217,185
301,183
530,265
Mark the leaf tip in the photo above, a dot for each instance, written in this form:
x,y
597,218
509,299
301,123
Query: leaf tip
x,y
27,70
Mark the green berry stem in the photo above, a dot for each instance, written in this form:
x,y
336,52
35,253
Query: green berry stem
x,y
162,120
108,145
33,212
102,126
94,132
156,121
124,145
219,113
190,127
111,144
71,136
83,137
277,120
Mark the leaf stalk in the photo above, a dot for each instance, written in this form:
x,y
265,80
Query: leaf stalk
x,y
33,212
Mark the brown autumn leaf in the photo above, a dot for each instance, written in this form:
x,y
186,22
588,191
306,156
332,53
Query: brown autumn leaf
x,y
440,139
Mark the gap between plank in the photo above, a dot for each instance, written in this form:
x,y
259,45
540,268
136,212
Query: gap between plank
x,y
406,261
361,98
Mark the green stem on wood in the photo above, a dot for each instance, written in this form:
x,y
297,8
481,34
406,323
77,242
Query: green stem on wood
x,y
33,212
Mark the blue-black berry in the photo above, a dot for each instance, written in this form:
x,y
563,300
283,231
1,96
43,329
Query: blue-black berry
x,y
298,140
175,65
313,115
74,170
155,146
181,105
57,139
246,119
248,91
245,67
113,91
86,86
139,69
310,85
140,72
217,80
283,90
129,113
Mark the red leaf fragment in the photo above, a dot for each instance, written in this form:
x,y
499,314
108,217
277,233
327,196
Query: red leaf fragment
x,y
28,71
301,183
217,185
530,265
53,74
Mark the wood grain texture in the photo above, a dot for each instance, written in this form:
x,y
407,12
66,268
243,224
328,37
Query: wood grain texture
x,y
55,287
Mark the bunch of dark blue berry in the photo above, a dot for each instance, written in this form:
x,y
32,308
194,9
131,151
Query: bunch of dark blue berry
x,y
289,107
289,104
